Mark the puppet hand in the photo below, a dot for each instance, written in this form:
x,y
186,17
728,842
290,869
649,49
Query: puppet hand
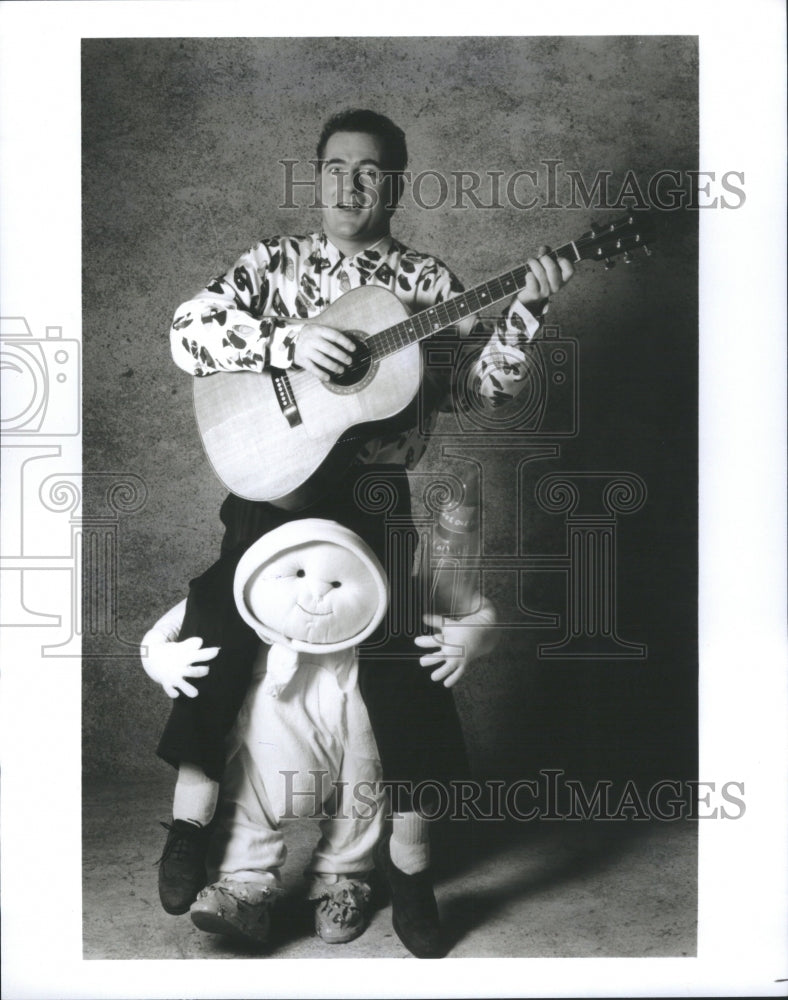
x,y
456,642
170,663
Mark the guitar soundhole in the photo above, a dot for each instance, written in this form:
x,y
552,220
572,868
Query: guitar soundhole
x,y
358,372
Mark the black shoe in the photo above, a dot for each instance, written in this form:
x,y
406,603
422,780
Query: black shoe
x,y
182,865
414,911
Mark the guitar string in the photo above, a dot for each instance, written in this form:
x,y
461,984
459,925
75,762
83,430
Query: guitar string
x,y
407,336
436,318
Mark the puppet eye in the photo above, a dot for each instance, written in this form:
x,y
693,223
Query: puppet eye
x,y
336,583
301,573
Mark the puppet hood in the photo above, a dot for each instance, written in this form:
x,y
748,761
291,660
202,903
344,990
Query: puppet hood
x,y
297,534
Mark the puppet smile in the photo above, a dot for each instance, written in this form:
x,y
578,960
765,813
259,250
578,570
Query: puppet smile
x,y
319,614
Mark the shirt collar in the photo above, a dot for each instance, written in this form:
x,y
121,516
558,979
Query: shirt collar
x,y
372,256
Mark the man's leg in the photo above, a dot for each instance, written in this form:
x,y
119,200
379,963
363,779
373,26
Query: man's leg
x,y
415,723
197,727
195,735
418,734
420,742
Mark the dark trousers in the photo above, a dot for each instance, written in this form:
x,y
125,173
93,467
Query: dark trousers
x,y
414,719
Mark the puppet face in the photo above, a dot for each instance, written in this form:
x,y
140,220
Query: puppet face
x,y
317,592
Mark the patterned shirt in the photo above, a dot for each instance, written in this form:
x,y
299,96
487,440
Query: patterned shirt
x,y
247,320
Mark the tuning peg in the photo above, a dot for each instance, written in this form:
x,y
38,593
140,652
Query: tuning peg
x,y
646,250
609,264
627,257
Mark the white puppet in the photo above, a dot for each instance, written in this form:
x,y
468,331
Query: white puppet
x,y
313,591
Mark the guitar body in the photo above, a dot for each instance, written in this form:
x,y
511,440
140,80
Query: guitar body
x,y
262,450
285,436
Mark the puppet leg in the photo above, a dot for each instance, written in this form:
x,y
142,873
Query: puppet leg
x,y
194,738
343,860
358,811
247,851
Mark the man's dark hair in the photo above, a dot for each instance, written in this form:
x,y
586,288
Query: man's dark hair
x,y
395,151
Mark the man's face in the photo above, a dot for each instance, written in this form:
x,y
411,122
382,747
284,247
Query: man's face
x,y
355,191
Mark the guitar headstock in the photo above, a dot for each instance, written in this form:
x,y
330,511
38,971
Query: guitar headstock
x,y
614,239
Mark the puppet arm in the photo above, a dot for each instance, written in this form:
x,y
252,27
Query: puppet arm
x,y
168,661
457,642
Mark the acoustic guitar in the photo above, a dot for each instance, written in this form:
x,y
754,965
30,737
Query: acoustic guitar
x,y
283,435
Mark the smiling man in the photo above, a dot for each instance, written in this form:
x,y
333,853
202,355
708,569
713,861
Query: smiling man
x,y
358,187
254,318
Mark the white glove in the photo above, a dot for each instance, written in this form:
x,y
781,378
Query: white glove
x,y
169,662
456,642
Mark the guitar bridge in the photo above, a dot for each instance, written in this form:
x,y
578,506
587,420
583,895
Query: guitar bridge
x,y
285,397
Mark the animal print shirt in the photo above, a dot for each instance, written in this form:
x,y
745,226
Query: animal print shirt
x,y
248,318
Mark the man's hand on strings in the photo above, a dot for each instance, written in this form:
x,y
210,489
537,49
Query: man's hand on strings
x,y
545,277
322,351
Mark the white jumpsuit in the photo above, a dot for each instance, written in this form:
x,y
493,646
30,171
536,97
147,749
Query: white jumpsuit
x,y
302,747
303,743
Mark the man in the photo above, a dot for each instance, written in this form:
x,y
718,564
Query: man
x,y
252,319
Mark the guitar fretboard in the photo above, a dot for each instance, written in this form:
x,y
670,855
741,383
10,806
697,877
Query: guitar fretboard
x,y
423,324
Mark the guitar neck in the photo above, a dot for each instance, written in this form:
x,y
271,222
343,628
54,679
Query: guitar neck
x,y
429,321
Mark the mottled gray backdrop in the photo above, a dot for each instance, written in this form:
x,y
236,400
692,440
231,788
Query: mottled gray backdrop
x,y
182,140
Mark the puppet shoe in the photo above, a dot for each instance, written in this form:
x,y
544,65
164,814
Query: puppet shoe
x,y
236,909
182,865
342,911
414,911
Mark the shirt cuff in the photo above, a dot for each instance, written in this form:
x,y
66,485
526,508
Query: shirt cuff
x,y
530,323
282,346
168,627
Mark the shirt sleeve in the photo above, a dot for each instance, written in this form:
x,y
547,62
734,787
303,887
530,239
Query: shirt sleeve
x,y
168,627
224,328
498,374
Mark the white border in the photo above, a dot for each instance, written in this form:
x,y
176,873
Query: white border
x,y
743,930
